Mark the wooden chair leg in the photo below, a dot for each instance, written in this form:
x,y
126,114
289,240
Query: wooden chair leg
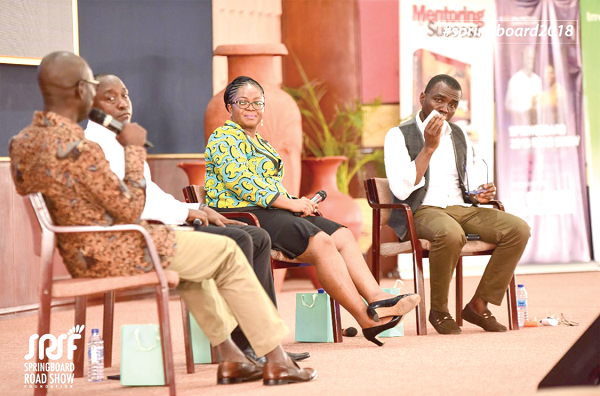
x,y
80,352
278,279
108,327
162,299
511,301
336,321
459,291
187,338
420,290
375,246
43,328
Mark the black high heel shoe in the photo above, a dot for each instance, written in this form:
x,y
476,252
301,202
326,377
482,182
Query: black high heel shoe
x,y
399,305
371,332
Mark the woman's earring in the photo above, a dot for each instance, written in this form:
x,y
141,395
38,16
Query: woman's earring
x,y
261,123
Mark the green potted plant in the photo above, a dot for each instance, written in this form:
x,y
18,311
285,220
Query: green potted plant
x,y
332,150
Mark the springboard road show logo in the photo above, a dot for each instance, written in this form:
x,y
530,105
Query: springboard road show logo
x,y
51,374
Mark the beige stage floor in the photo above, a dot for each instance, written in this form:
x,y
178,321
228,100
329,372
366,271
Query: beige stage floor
x,y
473,363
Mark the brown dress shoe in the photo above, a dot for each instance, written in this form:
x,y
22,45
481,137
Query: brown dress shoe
x,y
443,322
235,372
275,374
487,321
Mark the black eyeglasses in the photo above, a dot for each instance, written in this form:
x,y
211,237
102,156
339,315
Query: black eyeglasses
x,y
487,180
244,104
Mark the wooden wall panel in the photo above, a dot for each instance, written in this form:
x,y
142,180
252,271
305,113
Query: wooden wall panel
x,y
324,35
19,274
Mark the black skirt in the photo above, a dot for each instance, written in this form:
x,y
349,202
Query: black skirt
x,y
290,234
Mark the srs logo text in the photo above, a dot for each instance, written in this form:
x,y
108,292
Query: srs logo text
x,y
54,351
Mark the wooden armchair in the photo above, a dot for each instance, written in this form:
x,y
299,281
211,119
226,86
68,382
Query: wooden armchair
x,y
195,193
80,288
380,199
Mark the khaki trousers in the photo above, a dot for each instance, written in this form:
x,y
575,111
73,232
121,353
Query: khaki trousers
x,y
221,290
446,229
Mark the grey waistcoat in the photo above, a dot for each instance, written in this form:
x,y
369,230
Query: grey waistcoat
x,y
414,143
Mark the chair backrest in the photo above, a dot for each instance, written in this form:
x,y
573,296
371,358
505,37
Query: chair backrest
x,y
36,230
41,210
193,193
379,192
46,244
44,238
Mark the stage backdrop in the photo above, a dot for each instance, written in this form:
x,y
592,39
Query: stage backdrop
x,y
590,37
450,37
540,146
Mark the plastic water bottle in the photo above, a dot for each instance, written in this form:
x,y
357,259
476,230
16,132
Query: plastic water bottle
x,y
522,305
95,357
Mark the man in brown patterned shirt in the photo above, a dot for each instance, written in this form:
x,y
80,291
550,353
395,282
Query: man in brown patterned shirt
x,y
53,157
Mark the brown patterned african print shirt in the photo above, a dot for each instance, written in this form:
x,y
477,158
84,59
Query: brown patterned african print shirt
x,y
53,157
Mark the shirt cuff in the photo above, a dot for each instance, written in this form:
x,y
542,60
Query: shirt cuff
x,y
270,203
403,186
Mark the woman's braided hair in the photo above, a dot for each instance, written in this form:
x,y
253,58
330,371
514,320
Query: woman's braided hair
x,y
235,85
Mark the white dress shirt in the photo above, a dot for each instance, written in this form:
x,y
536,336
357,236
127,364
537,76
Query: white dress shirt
x,y
159,206
444,187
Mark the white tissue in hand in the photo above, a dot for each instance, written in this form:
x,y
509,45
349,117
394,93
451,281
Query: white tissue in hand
x,y
445,128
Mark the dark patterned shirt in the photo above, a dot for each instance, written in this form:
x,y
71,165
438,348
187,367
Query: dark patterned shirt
x,y
53,157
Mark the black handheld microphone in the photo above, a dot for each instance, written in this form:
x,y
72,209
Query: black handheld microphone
x,y
319,197
349,332
108,122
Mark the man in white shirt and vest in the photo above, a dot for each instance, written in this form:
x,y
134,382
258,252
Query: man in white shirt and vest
x,y
112,97
428,161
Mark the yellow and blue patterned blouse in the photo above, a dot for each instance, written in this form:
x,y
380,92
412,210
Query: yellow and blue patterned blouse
x,y
240,171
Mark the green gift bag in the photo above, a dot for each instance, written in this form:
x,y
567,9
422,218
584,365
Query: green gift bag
x,y
200,344
141,356
397,331
313,318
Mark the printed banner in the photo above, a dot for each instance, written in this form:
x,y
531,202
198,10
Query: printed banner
x,y
451,37
540,151
590,37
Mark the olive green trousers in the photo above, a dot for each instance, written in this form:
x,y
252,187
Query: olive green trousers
x,y
446,228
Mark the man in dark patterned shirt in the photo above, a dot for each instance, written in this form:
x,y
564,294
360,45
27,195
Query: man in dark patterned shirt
x,y
53,157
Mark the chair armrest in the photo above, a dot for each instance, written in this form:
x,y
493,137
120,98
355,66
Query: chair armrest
x,y
191,196
497,204
253,220
389,206
245,215
410,222
117,228
45,221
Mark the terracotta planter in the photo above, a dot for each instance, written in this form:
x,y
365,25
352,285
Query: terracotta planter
x,y
195,171
282,123
338,206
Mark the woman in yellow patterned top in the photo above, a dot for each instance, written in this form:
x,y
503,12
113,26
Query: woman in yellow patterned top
x,y
244,172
